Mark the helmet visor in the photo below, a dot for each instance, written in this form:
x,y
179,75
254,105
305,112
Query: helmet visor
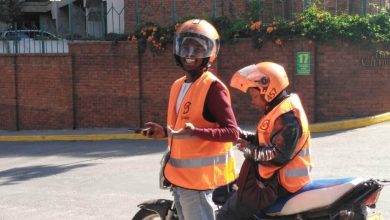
x,y
247,77
193,45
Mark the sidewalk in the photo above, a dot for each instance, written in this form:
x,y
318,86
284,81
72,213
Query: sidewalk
x,y
85,134
96,134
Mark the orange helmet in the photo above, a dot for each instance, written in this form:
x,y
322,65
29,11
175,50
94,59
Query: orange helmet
x,y
196,38
270,78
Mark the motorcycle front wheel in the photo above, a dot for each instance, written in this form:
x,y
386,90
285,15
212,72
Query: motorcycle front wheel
x,y
144,214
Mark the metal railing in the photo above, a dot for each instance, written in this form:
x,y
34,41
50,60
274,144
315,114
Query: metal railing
x,y
83,24
31,41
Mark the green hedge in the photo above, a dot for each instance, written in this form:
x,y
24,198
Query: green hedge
x,y
313,23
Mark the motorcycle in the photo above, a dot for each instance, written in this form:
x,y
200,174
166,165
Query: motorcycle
x,y
351,198
343,199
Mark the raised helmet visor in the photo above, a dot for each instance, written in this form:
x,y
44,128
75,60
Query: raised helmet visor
x,y
247,77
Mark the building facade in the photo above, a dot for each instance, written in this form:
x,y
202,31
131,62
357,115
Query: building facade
x,y
77,19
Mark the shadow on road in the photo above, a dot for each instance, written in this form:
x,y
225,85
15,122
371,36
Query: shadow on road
x,y
20,174
83,149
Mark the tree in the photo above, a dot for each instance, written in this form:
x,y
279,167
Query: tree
x,y
10,11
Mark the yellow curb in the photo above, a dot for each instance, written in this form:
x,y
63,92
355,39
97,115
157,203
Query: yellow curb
x,y
100,137
350,124
319,127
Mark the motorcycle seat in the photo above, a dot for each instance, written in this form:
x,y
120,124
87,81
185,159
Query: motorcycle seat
x,y
316,194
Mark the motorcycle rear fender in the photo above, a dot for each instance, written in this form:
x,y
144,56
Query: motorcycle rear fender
x,y
160,206
350,200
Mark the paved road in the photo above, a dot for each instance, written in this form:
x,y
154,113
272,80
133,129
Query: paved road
x,y
107,179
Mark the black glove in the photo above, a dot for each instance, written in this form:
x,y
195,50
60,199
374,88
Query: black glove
x,y
259,153
249,136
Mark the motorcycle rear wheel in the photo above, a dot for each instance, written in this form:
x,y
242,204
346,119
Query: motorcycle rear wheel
x,y
144,214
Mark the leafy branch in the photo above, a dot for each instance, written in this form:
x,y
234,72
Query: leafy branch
x,y
313,23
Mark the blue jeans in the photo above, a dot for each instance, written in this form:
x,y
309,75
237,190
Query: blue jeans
x,y
194,204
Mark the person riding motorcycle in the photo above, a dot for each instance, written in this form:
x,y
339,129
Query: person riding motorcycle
x,y
278,153
201,126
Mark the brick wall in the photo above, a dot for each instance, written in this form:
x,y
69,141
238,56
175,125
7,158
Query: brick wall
x,y
348,88
7,93
98,84
106,84
35,92
158,74
44,85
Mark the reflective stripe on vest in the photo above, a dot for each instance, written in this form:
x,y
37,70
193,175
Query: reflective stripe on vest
x,y
199,162
196,163
295,174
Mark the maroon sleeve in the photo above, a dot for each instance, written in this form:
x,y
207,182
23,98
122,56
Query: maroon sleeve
x,y
217,104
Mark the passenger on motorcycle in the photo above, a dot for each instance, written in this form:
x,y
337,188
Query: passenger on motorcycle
x,y
201,126
278,153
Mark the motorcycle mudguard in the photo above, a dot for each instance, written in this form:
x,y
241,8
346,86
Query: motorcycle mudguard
x,y
160,206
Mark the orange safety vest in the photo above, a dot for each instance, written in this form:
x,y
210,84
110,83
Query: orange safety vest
x,y
196,163
295,174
